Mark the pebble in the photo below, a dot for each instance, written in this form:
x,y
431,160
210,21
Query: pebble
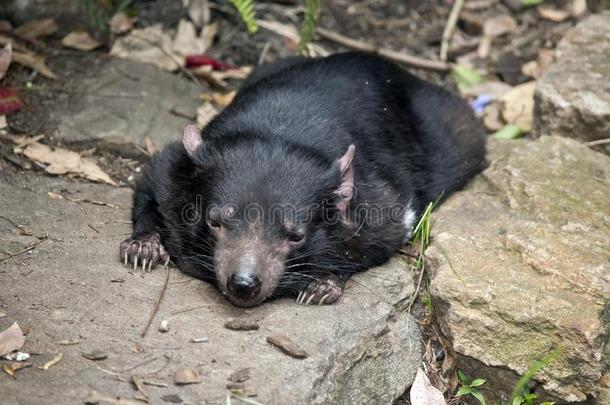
x,y
164,326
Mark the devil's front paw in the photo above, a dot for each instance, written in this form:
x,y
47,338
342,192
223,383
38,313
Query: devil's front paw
x,y
324,291
146,250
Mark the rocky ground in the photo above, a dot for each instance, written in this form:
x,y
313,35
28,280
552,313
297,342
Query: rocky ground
x,y
518,267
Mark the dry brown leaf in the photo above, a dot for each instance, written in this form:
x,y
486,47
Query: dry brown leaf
x,y
34,61
139,383
148,45
220,99
95,355
187,376
518,106
579,7
52,362
287,346
499,25
121,23
218,78
80,40
246,389
151,146
186,42
553,14
11,339
240,375
492,117
63,161
242,324
205,113
484,47
6,56
199,12
37,28
3,123
424,393
95,398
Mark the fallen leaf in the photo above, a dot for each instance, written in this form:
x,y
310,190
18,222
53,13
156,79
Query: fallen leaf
x,y
518,106
240,375
242,324
9,100
80,40
545,58
199,12
148,45
34,61
246,389
499,25
220,99
509,131
218,78
287,346
121,23
579,7
12,368
424,393
52,362
465,77
63,161
205,113
3,125
139,383
6,56
95,398
492,117
37,28
186,41
187,376
11,339
484,48
95,354
553,14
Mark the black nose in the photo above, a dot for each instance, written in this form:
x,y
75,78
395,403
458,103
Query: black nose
x,y
244,285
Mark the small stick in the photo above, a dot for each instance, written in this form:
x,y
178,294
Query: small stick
x,y
399,57
27,249
450,27
157,304
598,142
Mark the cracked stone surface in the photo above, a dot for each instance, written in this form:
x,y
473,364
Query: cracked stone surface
x,y
72,288
573,96
521,266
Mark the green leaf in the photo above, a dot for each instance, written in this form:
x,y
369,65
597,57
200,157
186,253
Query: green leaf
x,y
547,403
534,368
529,3
478,382
245,8
479,396
463,391
465,77
508,131
463,379
517,400
308,29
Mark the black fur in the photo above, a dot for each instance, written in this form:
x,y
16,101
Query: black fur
x,y
278,143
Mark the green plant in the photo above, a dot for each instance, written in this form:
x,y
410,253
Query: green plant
x,y
470,387
521,394
308,29
245,8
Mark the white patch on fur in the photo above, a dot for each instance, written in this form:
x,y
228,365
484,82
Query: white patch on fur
x,y
410,220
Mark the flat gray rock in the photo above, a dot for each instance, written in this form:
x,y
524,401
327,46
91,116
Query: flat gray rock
x,y
116,103
572,98
521,267
78,298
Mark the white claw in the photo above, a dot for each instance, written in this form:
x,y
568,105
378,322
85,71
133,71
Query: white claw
x,y
150,266
323,299
144,264
125,258
166,262
299,297
310,298
135,263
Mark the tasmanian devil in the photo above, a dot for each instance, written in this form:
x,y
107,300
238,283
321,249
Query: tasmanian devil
x,y
318,169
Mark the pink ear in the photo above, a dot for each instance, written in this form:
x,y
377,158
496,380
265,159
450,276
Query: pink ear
x,y
191,140
345,192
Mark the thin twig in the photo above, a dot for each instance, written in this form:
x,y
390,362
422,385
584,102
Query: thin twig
x,y
598,142
27,249
450,27
399,57
157,304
